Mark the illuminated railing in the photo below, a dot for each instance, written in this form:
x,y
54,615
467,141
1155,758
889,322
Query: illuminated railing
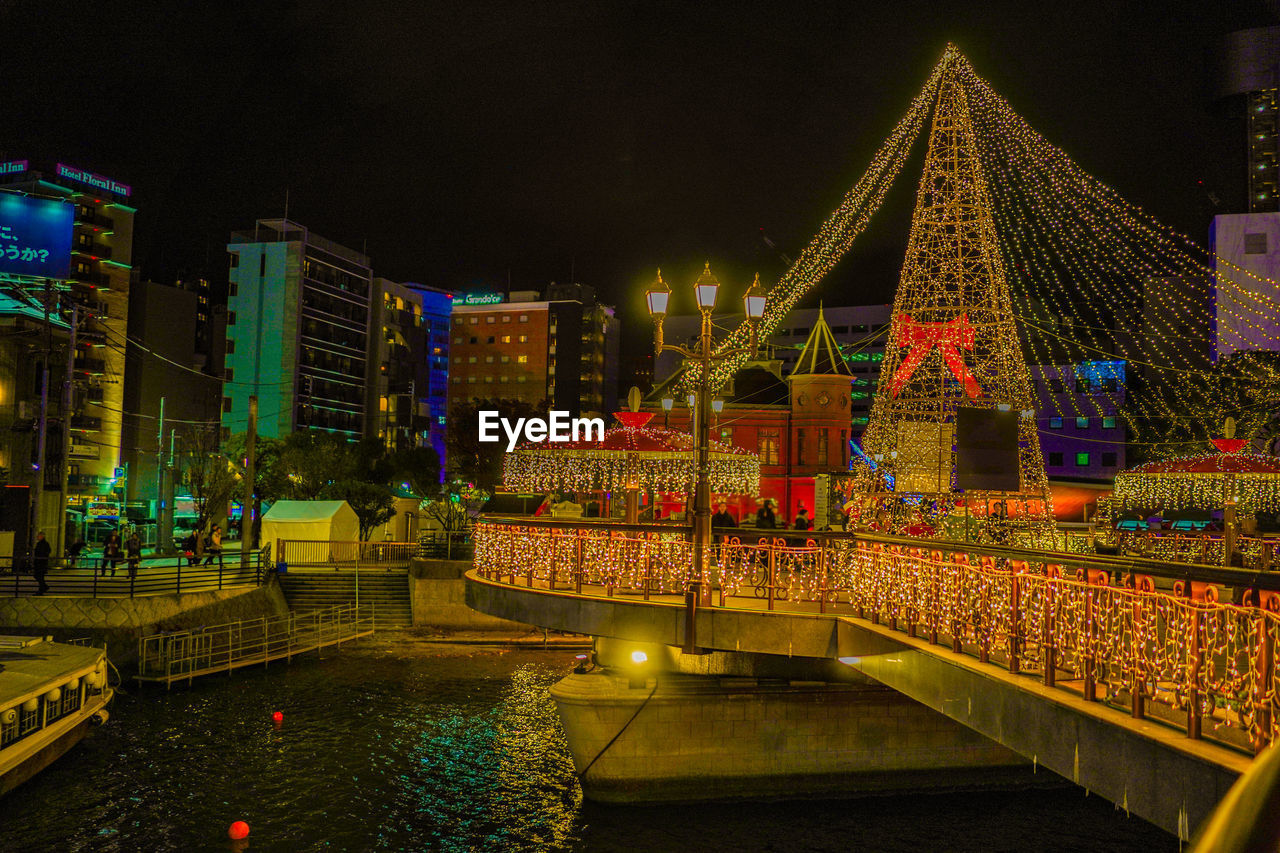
x,y
1175,653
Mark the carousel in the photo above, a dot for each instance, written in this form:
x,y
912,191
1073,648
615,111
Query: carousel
x,y
631,459
1239,485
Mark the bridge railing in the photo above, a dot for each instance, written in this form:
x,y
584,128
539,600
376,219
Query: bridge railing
x,y
1157,639
99,577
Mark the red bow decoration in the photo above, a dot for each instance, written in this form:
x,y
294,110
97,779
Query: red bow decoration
x,y
920,338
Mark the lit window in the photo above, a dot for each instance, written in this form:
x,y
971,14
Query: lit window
x,y
1055,423
506,339
1082,423
506,318
471,359
524,339
524,318
503,379
522,378
491,319
474,320
488,359
1109,422
522,359
768,442
471,380
1082,460
488,379
506,359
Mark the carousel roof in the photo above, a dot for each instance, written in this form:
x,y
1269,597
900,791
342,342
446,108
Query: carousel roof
x,y
1210,464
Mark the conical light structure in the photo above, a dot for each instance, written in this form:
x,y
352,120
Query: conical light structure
x,y
952,343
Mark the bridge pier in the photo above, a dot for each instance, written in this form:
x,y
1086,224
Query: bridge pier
x,y
662,735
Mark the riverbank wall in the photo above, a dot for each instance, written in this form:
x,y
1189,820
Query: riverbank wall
x,y
438,595
120,622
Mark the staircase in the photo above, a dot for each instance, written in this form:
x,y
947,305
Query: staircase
x,y
388,592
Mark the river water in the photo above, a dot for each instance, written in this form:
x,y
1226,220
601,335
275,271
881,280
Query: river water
x,y
400,744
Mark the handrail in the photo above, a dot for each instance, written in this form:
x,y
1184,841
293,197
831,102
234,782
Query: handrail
x,y
155,576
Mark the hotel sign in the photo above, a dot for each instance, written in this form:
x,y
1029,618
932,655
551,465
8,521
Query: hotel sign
x,y
478,299
13,167
95,181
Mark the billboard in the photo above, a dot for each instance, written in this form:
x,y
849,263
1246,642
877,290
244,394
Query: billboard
x,y
35,236
987,450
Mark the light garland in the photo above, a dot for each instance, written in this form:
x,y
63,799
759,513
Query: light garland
x,y
1198,656
1202,482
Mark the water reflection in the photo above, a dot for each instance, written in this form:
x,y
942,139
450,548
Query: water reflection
x,y
399,745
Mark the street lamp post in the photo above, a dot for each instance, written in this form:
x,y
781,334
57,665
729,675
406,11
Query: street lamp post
x,y
705,289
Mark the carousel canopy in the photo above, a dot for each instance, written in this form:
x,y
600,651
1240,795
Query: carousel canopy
x,y
1202,482
631,455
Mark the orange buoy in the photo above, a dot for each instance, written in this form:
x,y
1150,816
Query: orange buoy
x,y
277,717
238,830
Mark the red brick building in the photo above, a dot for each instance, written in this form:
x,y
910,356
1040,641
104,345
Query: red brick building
x,y
798,424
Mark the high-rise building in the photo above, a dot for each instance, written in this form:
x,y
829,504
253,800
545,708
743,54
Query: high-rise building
x,y
1246,252
408,365
98,284
297,331
562,348
1246,90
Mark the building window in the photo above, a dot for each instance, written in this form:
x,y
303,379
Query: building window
x,y
457,359
488,359
1109,384
1109,460
226,401
522,378
1255,244
492,339
522,359
506,339
1055,460
457,340
524,339
503,379
1055,423
488,378
1109,422
506,359
506,318
471,359
233,289
231,346
1082,423
473,340
471,380
231,318
824,436
473,320
844,449
524,318
1055,385
768,445
800,448
491,319
231,374
1082,459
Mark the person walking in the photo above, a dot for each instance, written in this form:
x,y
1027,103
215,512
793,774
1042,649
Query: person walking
x,y
213,545
189,548
802,520
111,553
133,553
73,553
40,562
765,519
723,518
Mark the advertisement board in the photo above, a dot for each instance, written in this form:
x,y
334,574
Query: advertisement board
x,y
35,236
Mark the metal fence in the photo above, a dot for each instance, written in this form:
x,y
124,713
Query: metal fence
x,y
97,578
445,545
184,655
1156,638
296,553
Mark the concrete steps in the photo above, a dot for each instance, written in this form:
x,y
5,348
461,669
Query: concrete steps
x,y
387,591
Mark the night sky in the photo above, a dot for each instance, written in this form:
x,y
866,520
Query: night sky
x,y
471,144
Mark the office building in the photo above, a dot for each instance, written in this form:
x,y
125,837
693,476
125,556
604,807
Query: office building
x,y
1082,434
560,346
409,363
98,286
1246,92
1246,250
297,331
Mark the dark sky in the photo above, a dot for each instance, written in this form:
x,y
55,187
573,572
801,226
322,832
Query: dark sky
x,y
465,143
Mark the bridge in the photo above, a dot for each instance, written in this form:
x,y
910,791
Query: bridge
x,y
1150,684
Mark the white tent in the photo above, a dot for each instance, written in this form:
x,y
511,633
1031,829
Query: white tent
x,y
311,521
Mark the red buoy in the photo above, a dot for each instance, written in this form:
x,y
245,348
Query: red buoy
x,y
277,717
238,830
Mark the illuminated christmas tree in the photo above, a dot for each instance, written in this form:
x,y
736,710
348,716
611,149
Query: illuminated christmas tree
x,y
952,344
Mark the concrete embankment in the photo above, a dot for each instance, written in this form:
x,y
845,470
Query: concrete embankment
x,y
438,593
121,621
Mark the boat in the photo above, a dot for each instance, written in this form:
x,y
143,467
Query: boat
x,y
50,695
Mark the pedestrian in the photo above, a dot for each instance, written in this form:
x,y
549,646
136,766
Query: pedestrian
x,y
189,548
40,562
723,518
802,520
133,552
111,553
213,545
73,553
765,519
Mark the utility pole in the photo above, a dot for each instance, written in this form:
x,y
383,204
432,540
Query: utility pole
x,y
68,400
42,430
246,500
164,532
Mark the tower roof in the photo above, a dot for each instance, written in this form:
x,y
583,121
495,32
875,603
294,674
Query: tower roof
x,y
821,353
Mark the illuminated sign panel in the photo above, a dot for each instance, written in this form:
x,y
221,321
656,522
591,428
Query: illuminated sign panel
x,y
35,236
13,167
95,181
478,299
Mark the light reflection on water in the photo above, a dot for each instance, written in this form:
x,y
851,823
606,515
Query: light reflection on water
x,y
403,745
